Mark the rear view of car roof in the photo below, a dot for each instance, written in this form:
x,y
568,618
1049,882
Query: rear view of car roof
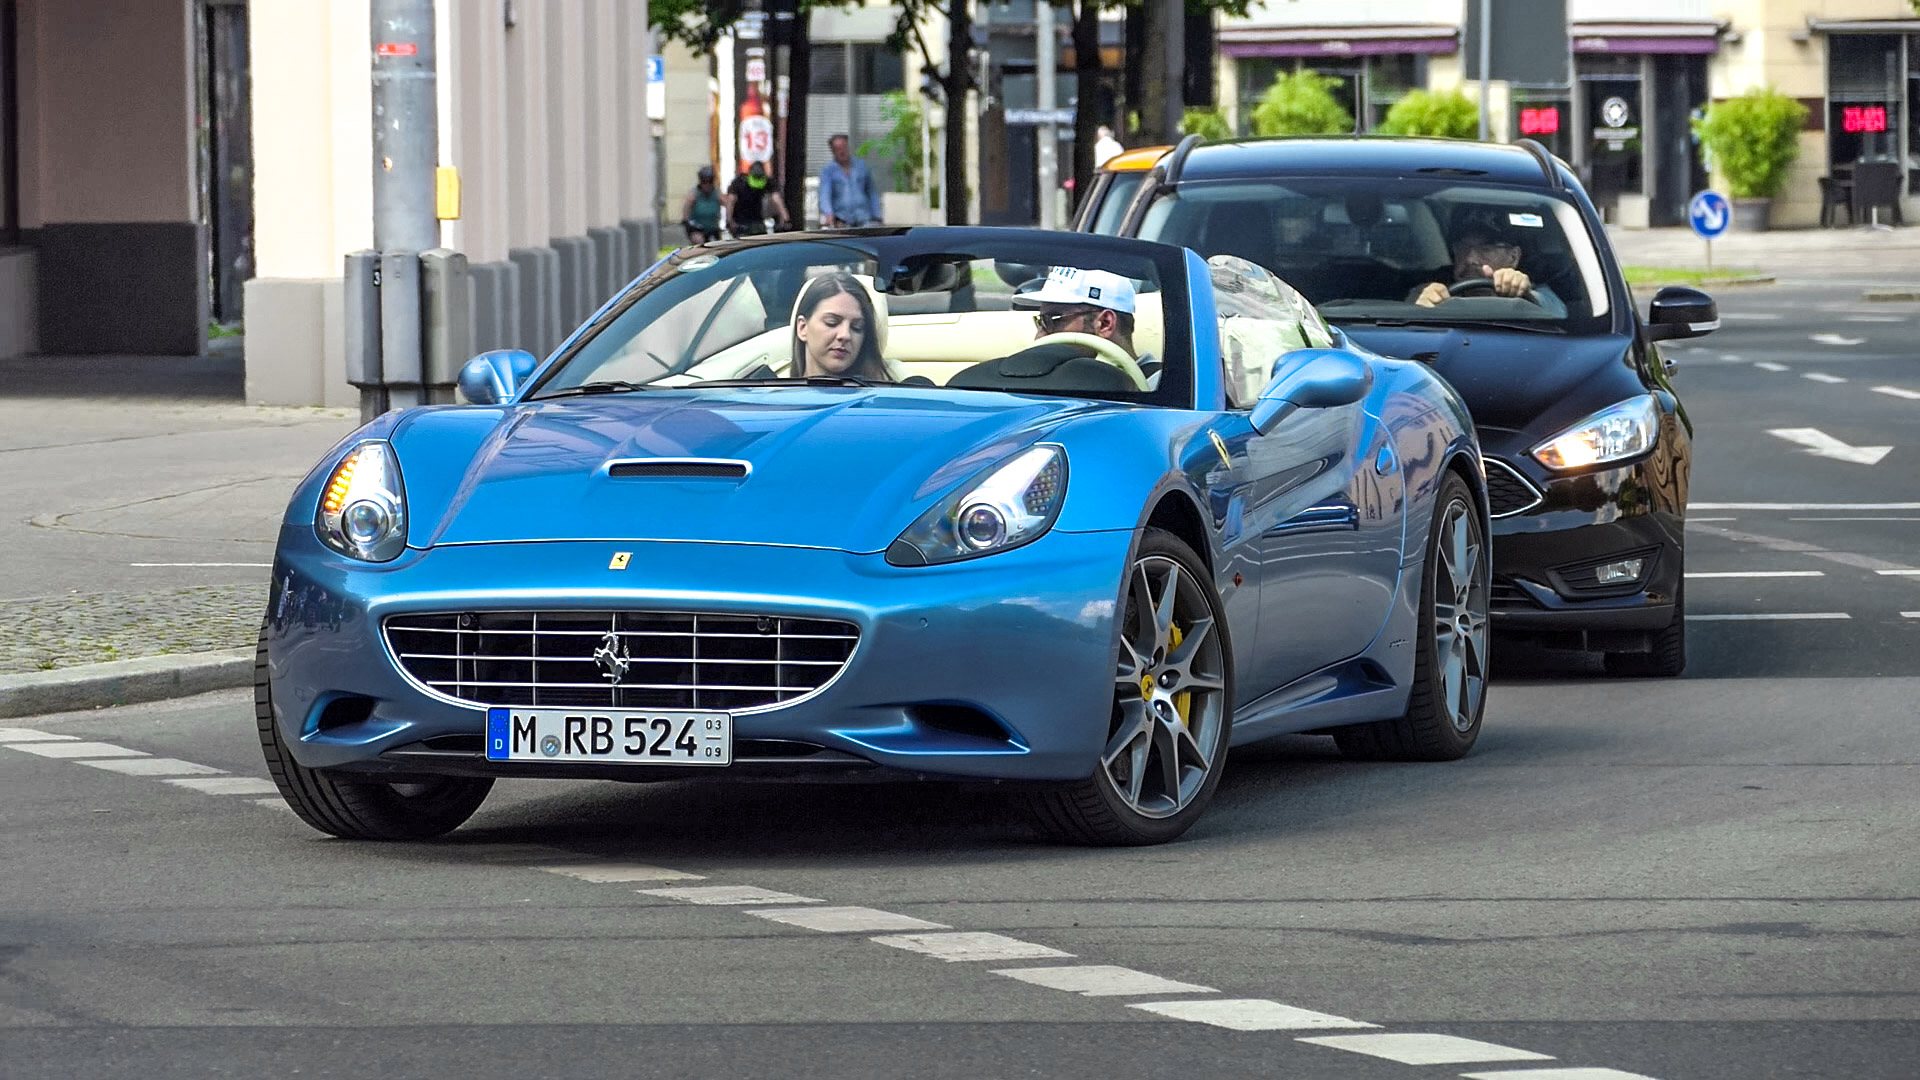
x,y
1365,156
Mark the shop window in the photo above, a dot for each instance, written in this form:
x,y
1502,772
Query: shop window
x,y
1390,78
1867,94
877,70
828,69
1545,117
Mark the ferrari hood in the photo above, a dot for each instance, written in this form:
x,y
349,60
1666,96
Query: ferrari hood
x,y
830,467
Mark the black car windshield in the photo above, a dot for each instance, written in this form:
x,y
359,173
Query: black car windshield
x,y
972,309
1393,251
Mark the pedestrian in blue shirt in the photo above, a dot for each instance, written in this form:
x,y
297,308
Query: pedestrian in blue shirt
x,y
848,197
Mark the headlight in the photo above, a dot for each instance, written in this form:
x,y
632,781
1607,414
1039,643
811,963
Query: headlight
x,y
363,508
1612,434
1012,503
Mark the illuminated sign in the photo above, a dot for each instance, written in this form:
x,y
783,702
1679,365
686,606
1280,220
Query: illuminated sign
x,y
1542,121
1863,119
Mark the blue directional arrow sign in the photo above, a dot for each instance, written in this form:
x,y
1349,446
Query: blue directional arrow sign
x,y
1710,214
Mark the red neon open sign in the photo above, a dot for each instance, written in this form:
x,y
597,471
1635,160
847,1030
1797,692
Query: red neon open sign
x,y
1542,121
1863,119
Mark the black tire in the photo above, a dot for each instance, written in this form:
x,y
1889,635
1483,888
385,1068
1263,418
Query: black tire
x,y
1096,811
1434,728
355,807
1666,656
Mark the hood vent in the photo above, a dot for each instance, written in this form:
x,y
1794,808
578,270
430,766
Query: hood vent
x,y
712,468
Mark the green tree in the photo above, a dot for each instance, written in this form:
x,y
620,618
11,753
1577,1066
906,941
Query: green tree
x,y
1301,103
901,145
1752,139
1448,114
1209,124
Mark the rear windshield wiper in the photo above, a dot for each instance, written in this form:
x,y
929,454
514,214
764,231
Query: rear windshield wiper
x,y
1452,324
608,386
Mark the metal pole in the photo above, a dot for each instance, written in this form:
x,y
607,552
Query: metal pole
x,y
1175,90
1044,66
1486,56
405,152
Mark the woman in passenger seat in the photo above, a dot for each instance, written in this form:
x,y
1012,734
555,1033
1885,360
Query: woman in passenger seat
x,y
834,330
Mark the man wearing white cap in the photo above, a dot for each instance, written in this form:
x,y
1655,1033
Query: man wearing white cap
x,y
1076,301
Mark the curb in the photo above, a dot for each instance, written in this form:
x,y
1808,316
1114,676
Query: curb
x,y
1904,292
123,682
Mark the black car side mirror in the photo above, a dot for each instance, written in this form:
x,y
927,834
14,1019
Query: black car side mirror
x,y
1680,312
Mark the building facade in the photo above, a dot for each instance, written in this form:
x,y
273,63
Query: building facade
x,y
1642,69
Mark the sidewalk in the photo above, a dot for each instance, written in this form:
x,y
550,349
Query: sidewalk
x,y
142,500
1884,256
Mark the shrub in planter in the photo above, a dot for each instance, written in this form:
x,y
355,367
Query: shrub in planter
x,y
1449,114
1301,103
1209,124
1752,139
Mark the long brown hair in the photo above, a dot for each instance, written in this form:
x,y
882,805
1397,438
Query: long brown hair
x,y
867,364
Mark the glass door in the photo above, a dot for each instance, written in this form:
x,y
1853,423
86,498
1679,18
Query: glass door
x,y
1614,125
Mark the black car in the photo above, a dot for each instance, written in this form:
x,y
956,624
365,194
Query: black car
x,y
1587,445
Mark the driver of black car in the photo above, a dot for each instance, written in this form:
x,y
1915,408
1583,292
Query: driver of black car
x,y
1482,251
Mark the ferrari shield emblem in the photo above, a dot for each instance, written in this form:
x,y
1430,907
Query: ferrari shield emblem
x,y
620,559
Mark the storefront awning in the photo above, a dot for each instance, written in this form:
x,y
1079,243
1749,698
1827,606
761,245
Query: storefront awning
x,y
1690,36
1246,41
1864,26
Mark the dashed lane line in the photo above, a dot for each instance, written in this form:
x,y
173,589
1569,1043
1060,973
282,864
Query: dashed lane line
x,y
226,785
728,895
1910,614
152,766
968,946
845,920
9,735
1556,1074
1854,519
1823,377
1419,1048
1102,980
610,873
1769,616
1692,574
1895,391
1898,573
75,749
1248,1014
1768,365
1801,506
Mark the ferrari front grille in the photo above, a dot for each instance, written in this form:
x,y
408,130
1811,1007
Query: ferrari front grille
x,y
1508,492
619,659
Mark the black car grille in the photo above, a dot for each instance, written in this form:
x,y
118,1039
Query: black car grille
x,y
671,660
1505,595
1507,491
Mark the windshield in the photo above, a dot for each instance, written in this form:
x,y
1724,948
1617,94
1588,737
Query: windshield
x,y
1391,251
926,308
1115,196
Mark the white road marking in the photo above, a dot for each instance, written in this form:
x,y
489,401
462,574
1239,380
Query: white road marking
x,y
970,946
227,785
1556,1074
1755,316
1910,614
728,894
75,749
1821,376
1898,573
1875,318
1853,519
1803,506
1895,391
1416,1048
1821,444
1770,616
1713,519
1691,574
1248,1014
20,735
1101,980
154,766
277,804
605,872
1835,339
1768,365
846,920
253,565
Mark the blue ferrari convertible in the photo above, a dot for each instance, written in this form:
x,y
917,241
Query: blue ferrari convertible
x,y
1072,512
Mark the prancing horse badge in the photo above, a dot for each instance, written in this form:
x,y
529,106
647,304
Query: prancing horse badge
x,y
619,561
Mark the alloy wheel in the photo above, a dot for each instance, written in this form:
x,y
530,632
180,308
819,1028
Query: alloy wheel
x,y
1460,627
1169,694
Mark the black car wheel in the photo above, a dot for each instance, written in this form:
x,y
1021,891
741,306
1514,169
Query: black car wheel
x,y
358,807
1172,710
1450,670
1666,655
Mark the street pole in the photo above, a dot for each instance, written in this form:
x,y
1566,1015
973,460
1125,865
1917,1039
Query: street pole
x,y
1486,56
1044,66
405,154
1175,91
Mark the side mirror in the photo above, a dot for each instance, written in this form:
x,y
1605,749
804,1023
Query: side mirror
x,y
1311,379
492,378
1680,312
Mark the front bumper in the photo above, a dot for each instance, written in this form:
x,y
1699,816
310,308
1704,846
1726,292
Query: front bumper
x,y
992,668
1543,556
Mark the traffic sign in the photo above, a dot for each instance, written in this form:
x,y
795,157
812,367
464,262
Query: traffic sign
x,y
1710,214
656,88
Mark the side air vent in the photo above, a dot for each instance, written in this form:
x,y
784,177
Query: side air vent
x,y
714,468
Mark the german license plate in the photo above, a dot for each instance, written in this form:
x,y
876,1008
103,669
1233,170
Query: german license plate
x,y
605,736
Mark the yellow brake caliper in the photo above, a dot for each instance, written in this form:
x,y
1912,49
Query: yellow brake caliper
x,y
1181,699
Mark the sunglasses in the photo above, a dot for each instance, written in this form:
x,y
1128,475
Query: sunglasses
x,y
1051,322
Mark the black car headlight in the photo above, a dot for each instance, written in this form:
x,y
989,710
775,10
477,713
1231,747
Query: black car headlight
x,y
363,509
1010,504
1615,433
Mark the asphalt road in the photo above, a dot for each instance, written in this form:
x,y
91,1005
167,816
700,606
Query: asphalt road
x,y
1712,877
